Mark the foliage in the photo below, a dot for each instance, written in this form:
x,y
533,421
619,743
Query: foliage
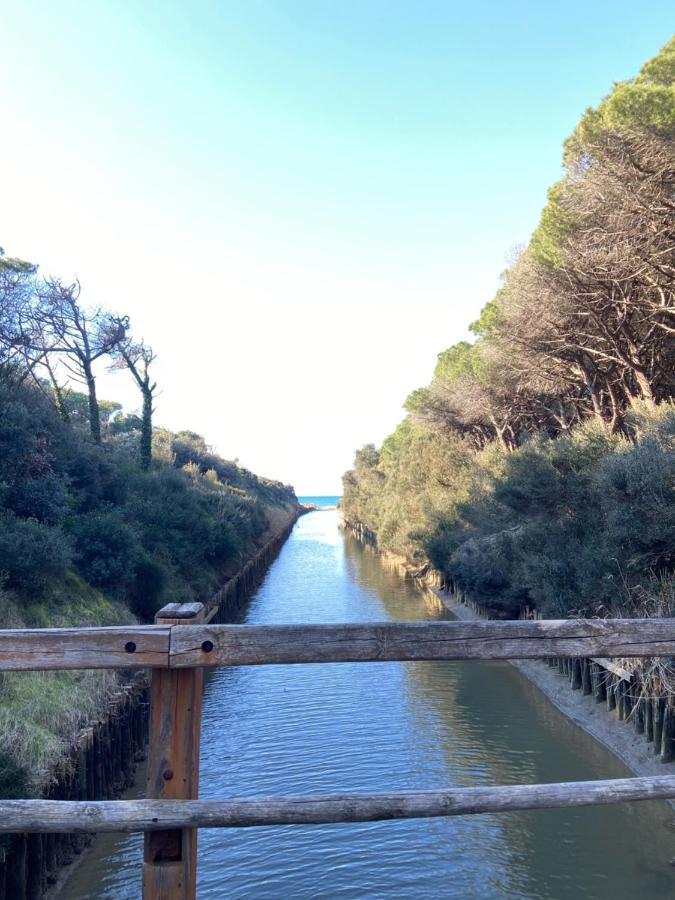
x,y
31,554
176,530
90,537
537,469
104,549
14,778
644,103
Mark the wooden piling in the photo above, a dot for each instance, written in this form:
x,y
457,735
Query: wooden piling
x,y
611,691
34,867
576,679
668,734
586,683
621,700
639,716
15,885
600,680
659,707
649,718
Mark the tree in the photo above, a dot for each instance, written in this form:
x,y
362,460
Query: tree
x,y
78,338
137,357
644,104
17,282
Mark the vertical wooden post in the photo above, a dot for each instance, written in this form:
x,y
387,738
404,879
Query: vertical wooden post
x,y
170,857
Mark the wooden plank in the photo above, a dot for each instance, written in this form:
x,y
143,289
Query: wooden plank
x,y
219,645
170,854
614,668
135,647
125,647
160,815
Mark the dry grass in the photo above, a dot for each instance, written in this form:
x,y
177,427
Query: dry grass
x,y
41,711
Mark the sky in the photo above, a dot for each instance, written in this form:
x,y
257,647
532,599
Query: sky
x,y
299,203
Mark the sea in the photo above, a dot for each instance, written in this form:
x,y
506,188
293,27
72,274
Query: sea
x,y
323,502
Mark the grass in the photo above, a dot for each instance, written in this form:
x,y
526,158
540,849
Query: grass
x,y
40,712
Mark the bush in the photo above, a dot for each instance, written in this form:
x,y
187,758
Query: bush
x,y
106,549
14,778
31,554
43,499
146,589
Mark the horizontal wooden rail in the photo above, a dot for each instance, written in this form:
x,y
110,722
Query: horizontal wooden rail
x,y
172,647
156,815
245,645
189,646
127,647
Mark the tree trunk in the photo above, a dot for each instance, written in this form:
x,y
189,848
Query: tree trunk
x,y
593,393
146,431
643,384
94,417
58,395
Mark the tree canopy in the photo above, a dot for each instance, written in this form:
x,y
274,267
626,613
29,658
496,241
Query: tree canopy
x,y
537,468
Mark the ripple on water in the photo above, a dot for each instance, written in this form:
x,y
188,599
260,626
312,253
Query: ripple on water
x,y
349,727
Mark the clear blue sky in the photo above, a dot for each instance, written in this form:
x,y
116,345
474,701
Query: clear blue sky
x,y
298,203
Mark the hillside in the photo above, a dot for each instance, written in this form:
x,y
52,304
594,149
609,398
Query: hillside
x,y
95,528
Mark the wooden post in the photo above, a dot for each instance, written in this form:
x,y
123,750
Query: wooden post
x,y
576,674
15,884
586,681
649,718
639,716
170,857
600,683
659,707
667,734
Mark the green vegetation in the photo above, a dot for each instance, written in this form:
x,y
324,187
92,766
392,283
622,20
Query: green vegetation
x,y
103,519
537,470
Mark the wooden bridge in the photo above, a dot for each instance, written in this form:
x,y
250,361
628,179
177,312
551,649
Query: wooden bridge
x,y
180,645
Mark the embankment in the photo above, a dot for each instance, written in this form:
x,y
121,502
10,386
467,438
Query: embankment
x,y
636,725
101,760
237,590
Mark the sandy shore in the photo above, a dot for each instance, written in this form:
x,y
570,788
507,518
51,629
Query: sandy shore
x,y
595,719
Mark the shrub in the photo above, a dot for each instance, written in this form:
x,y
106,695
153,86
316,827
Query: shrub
x,y
14,778
31,554
43,499
106,549
147,586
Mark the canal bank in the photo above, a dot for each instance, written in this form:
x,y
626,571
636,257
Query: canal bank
x,y
106,759
583,709
274,730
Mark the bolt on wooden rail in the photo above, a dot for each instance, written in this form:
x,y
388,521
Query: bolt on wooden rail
x,y
180,645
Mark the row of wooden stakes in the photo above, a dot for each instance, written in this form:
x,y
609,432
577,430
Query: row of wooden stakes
x,y
99,766
651,713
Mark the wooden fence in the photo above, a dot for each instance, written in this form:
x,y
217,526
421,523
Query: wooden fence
x,y
180,645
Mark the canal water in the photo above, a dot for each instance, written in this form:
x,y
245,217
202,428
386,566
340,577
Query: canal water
x,y
373,727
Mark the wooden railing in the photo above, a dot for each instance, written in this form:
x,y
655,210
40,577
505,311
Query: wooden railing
x,y
180,645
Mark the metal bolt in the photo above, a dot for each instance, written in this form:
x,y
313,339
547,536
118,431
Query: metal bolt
x,y
167,775
207,646
130,647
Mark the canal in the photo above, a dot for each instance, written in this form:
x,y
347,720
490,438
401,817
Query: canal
x,y
355,727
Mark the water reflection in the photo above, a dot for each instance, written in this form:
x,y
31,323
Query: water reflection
x,y
306,729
